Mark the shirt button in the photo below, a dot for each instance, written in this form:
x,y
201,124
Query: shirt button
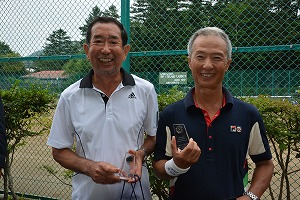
x,y
210,149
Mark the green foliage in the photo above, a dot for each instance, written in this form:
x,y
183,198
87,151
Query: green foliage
x,y
58,43
281,118
158,188
5,49
26,115
282,121
169,97
22,106
167,25
10,67
77,68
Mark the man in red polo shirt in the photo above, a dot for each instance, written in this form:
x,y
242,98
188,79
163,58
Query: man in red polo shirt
x,y
222,132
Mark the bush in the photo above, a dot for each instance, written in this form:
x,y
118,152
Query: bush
x,y
26,113
282,120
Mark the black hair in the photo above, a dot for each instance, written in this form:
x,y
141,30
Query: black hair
x,y
104,19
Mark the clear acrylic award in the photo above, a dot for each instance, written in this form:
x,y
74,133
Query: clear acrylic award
x,y
128,168
181,135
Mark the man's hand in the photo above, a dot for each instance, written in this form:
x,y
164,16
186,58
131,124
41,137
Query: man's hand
x,y
104,173
186,157
139,158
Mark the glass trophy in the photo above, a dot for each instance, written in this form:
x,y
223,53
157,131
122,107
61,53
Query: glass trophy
x,y
181,135
128,168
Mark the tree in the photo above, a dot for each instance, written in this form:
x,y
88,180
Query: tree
x,y
10,68
258,23
5,49
112,12
157,26
95,12
24,110
167,25
58,43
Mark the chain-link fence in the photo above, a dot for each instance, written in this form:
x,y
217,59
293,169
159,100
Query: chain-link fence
x,y
41,42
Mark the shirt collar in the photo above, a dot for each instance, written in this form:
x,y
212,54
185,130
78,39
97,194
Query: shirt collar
x,y
86,82
189,100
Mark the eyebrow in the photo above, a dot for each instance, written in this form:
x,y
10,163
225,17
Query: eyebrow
x,y
103,37
213,53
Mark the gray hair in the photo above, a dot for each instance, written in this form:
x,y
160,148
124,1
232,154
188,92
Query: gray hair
x,y
211,31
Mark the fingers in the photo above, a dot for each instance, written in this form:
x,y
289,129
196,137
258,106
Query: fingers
x,y
139,158
132,152
173,144
134,179
188,156
105,173
193,151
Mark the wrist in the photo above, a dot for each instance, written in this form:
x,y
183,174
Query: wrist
x,y
173,170
145,154
251,195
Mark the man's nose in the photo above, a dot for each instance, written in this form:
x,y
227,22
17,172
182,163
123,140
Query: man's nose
x,y
105,48
208,63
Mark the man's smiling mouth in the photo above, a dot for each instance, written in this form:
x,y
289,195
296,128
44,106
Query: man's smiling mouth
x,y
106,60
207,74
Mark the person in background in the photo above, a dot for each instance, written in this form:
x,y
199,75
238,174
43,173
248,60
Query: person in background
x,y
223,132
3,138
107,114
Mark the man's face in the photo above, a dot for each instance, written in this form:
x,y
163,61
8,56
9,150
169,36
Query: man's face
x,y
208,61
105,51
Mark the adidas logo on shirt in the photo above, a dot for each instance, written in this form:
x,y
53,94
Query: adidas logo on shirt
x,y
132,96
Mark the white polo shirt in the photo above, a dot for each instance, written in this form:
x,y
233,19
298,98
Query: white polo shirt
x,y
104,132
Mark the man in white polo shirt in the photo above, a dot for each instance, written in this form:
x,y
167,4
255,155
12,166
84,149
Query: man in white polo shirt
x,y
105,115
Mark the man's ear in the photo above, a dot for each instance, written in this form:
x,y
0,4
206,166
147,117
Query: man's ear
x,y
86,50
126,51
228,64
189,61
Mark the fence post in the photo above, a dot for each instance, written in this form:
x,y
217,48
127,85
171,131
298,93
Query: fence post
x,y
125,20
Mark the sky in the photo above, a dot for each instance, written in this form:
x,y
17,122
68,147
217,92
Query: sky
x,y
25,24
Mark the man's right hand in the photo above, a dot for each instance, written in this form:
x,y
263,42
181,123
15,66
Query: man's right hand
x,y
104,173
100,172
186,157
